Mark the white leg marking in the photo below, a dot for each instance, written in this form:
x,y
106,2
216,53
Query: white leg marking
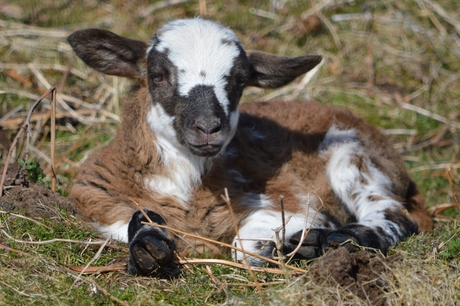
x,y
258,228
365,193
117,230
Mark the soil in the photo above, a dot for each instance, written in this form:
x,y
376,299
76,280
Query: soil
x,y
362,273
31,199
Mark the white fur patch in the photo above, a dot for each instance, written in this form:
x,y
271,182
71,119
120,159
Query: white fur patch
x,y
162,124
117,230
354,187
259,226
196,48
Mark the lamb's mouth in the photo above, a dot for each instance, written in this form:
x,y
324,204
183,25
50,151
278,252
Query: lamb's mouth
x,y
205,150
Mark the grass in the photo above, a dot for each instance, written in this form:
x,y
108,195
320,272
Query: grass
x,y
398,70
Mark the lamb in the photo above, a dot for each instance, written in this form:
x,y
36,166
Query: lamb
x,y
184,139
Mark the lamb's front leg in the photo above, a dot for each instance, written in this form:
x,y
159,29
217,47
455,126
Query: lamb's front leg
x,y
258,231
150,251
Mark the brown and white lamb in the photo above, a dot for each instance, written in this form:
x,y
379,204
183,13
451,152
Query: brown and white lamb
x,y
184,138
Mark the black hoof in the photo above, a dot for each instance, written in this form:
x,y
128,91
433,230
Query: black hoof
x,y
337,239
135,224
312,245
151,253
318,241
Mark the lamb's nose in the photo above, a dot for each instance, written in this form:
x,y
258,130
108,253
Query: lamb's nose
x,y
207,126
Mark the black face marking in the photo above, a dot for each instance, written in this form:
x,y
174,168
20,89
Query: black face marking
x,y
239,76
202,74
164,93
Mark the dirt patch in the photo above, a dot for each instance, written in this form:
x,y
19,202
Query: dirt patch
x,y
31,199
362,273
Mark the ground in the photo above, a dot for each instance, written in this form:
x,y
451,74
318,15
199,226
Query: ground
x,y
31,199
360,273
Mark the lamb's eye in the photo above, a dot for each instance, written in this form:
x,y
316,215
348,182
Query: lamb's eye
x,y
242,81
157,78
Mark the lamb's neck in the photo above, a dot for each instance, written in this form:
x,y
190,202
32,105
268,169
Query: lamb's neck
x,y
180,171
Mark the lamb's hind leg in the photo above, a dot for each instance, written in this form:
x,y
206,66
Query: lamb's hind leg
x,y
367,193
150,251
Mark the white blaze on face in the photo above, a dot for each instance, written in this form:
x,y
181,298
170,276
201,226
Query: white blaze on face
x,y
202,54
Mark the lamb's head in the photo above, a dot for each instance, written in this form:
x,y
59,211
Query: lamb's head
x,y
195,71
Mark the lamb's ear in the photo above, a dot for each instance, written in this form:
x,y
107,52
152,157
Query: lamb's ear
x,y
110,53
271,71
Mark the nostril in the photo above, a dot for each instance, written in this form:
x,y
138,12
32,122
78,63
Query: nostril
x,y
208,126
215,127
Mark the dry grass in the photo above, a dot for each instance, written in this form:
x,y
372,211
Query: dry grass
x,y
406,284
395,63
